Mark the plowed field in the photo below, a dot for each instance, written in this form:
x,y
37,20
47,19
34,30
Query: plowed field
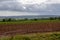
x,y
37,27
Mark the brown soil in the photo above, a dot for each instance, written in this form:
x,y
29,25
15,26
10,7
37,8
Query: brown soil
x,y
12,29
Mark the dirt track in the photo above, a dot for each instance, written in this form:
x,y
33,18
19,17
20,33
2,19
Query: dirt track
x,y
13,29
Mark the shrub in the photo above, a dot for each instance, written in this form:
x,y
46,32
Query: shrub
x,y
59,18
3,20
9,19
35,19
51,18
25,19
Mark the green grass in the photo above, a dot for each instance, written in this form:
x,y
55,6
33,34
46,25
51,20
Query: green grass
x,y
29,21
34,36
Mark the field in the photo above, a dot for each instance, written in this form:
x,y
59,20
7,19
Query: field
x,y
30,30
27,27
34,36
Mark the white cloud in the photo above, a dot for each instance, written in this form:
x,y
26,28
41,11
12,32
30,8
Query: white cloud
x,y
12,13
53,2
31,1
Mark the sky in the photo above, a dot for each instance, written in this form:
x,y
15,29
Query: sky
x,y
29,7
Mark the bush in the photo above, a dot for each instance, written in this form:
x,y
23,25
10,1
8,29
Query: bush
x,y
3,20
35,19
59,18
51,18
9,19
25,19
55,18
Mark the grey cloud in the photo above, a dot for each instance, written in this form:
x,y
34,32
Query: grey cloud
x,y
6,0
10,6
43,8
3,0
15,6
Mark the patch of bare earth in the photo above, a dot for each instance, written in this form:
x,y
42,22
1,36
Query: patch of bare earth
x,y
12,29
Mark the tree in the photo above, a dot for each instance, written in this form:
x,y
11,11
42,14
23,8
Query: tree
x,y
51,18
35,19
3,20
9,19
55,18
59,18
25,19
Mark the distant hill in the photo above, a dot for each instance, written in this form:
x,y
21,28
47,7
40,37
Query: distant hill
x,y
30,17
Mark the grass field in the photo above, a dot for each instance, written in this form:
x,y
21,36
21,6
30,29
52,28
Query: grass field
x,y
30,30
34,36
29,21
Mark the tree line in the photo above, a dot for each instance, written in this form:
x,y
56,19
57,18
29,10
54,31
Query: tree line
x,y
35,19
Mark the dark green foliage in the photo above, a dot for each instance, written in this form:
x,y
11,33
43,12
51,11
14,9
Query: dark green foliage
x,y
59,18
51,18
55,18
9,19
35,19
25,19
3,20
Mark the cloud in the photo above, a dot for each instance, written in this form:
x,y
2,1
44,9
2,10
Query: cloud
x,y
10,5
11,13
15,6
48,7
6,0
53,1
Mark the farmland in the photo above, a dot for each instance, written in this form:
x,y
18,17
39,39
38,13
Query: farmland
x,y
29,26
30,30
34,36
